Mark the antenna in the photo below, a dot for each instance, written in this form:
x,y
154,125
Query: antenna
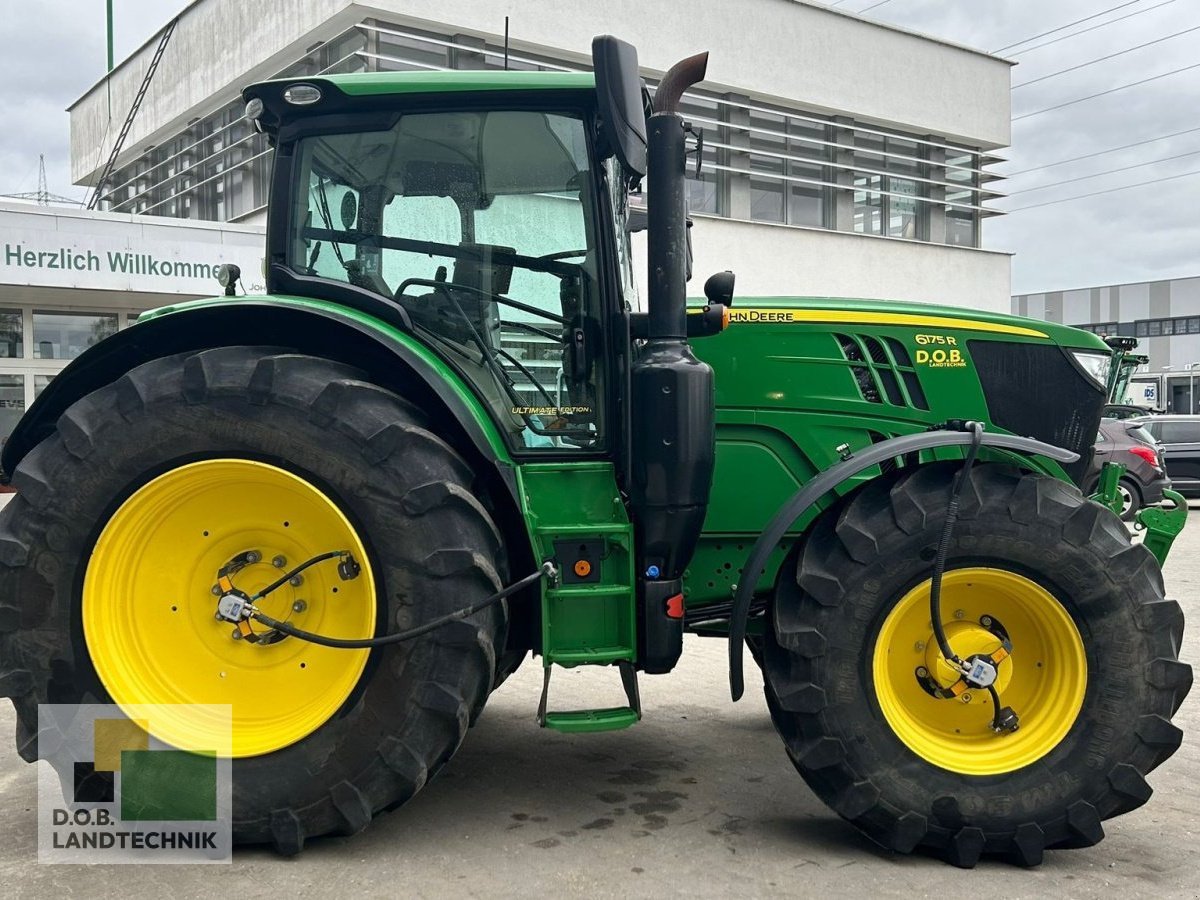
x,y
42,195
506,43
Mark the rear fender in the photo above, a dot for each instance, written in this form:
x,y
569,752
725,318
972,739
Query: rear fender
x,y
390,357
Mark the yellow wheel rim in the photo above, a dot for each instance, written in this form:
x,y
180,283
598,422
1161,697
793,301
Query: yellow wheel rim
x,y
149,611
1044,680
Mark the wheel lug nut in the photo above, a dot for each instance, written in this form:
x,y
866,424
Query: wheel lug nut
x,y
919,646
986,621
922,671
966,698
216,590
237,635
296,580
958,614
253,556
299,606
279,562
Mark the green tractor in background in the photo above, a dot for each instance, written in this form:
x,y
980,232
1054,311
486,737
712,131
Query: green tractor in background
x,y
448,438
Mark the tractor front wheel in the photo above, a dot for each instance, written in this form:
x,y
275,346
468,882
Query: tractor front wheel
x,y
246,462
853,669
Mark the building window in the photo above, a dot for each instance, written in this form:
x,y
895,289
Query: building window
x,y
891,204
65,335
12,334
12,403
703,193
868,204
809,201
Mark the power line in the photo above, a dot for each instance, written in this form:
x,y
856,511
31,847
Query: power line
x,y
1101,59
872,6
1102,12
1092,28
1038,112
1106,191
1071,159
1151,162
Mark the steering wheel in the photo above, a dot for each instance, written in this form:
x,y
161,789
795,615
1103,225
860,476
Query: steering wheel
x,y
561,254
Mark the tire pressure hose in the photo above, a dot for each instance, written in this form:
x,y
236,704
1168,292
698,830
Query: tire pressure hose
x,y
1000,716
943,548
546,571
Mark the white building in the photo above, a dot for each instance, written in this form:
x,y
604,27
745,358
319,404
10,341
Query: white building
x,y
842,157
69,277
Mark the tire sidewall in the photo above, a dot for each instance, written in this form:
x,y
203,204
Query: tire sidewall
x,y
387,704
1078,551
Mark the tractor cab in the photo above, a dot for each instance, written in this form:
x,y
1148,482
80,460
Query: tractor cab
x,y
488,221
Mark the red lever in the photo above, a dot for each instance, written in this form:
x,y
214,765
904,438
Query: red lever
x,y
675,607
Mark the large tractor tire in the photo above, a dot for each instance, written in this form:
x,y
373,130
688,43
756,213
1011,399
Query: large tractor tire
x,y
110,550
1094,673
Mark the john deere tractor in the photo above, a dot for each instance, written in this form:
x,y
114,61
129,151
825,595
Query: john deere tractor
x,y
448,437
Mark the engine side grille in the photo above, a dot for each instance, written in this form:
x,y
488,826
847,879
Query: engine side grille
x,y
882,375
1036,391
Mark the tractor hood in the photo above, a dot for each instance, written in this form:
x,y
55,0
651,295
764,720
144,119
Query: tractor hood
x,y
928,316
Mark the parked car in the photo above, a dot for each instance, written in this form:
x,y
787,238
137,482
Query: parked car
x,y
1179,438
1125,441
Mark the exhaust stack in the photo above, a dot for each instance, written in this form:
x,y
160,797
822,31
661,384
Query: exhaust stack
x,y
673,402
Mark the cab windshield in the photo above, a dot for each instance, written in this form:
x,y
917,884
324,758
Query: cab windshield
x,y
478,223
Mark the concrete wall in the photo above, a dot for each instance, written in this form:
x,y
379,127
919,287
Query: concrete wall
x,y
825,59
775,260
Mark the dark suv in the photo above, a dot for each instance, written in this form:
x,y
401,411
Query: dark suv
x,y
1128,443
1179,438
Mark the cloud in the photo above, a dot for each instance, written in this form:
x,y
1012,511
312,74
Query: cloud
x,y
1142,233
53,52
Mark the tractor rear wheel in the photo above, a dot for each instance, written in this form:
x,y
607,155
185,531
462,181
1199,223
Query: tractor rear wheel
x,y
1093,673
263,459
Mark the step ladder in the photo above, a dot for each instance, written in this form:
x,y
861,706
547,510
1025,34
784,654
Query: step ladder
x,y
589,612
578,721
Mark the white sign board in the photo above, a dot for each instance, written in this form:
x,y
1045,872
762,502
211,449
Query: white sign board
x,y
123,254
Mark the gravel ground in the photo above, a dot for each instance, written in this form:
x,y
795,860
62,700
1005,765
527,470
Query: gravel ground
x,y
699,798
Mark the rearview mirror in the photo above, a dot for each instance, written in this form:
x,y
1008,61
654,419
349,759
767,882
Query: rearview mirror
x,y
719,288
619,91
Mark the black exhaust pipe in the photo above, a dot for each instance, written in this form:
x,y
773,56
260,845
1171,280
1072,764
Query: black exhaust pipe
x,y
673,403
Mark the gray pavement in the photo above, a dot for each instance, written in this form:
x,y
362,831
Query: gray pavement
x,y
698,799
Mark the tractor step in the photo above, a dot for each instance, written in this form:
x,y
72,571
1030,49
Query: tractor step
x,y
589,720
579,721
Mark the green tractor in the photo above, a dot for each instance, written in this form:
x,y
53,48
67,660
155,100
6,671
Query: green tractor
x,y
447,437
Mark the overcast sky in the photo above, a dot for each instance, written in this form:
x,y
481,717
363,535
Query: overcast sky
x,y
54,50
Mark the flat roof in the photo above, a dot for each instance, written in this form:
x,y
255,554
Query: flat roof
x,y
1100,287
808,3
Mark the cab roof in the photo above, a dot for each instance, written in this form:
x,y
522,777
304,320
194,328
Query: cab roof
x,y
376,83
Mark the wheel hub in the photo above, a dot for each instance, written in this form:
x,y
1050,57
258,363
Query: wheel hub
x,y
968,639
148,604
1045,677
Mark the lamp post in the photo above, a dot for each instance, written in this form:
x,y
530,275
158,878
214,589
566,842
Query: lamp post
x,y
1191,367
1165,401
